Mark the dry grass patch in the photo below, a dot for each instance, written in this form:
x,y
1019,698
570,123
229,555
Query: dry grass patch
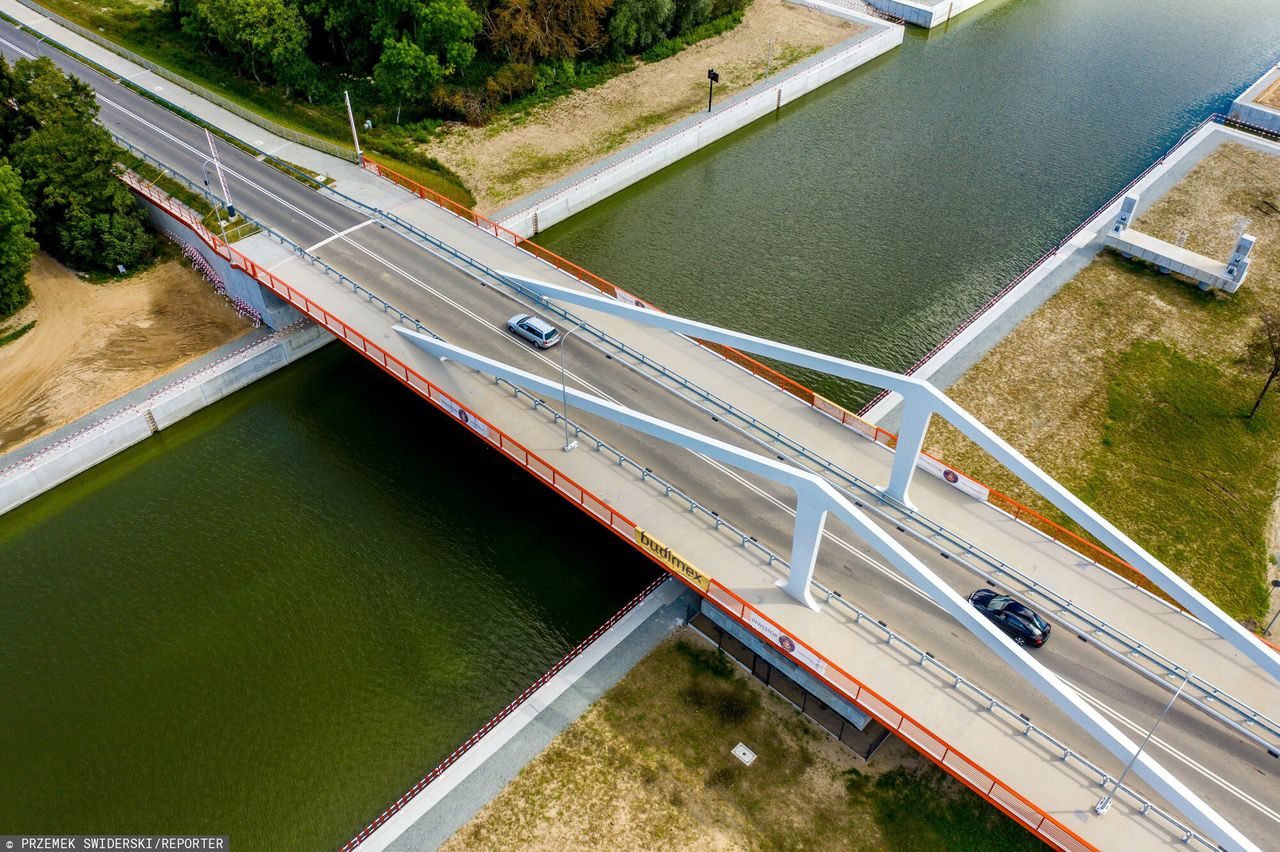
x,y
520,153
648,767
1271,97
1128,387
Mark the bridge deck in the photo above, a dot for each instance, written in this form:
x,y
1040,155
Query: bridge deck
x,y
1223,769
992,739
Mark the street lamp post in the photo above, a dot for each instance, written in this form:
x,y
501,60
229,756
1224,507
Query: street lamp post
x,y
204,164
712,78
1275,584
222,178
355,137
1103,806
564,390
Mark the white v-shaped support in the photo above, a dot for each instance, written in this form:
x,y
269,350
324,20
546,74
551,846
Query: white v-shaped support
x,y
921,400
815,498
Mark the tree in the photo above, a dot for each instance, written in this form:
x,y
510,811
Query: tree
x,y
1264,349
533,30
688,15
404,71
638,25
83,214
270,33
16,246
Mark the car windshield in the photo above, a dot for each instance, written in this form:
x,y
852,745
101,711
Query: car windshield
x,y
999,602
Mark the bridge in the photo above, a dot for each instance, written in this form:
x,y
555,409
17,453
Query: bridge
x,y
810,527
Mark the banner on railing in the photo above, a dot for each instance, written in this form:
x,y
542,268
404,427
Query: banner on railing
x,y
674,562
953,477
461,413
628,299
785,642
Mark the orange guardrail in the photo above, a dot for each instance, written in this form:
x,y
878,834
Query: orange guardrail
x,y
1011,802
934,748
875,433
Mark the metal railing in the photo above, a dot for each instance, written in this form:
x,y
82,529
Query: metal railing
x,y
1249,720
195,89
981,698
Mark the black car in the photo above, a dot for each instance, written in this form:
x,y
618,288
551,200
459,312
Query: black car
x,y
1021,623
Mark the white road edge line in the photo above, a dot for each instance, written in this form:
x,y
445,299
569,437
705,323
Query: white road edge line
x,y
1177,755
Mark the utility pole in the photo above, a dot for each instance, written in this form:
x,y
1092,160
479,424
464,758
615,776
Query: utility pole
x,y
564,390
222,178
351,117
1103,806
712,79
768,63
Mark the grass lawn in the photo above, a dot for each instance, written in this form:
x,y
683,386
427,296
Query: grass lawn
x,y
648,767
1129,387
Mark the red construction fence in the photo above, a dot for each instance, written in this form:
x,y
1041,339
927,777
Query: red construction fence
x,y
933,747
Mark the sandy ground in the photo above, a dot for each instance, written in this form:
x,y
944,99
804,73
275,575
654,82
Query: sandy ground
x,y
93,343
517,155
1271,97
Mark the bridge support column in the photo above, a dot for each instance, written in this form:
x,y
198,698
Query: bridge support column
x,y
811,517
915,424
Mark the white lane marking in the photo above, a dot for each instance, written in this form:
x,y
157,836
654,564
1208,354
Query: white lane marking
x,y
1180,756
13,46
826,534
501,331
336,235
333,237
843,544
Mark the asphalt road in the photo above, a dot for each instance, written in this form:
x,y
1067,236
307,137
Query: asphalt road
x,y
1231,773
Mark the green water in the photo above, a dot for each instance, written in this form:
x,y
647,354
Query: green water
x,y
873,216
271,619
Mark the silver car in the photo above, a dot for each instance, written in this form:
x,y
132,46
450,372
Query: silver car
x,y
536,330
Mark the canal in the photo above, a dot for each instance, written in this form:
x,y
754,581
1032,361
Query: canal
x,y
271,619
873,216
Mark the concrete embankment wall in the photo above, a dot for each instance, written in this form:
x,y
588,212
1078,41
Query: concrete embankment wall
x,y
83,446
923,14
274,312
580,191
947,363
1246,109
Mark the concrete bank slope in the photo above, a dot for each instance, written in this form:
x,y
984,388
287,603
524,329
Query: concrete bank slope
x,y
579,191
457,793
35,468
1249,107
946,364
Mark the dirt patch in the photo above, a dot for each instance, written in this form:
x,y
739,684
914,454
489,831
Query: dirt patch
x,y
648,766
1271,97
93,343
519,154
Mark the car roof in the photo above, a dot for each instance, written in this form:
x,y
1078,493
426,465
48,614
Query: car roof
x,y
540,324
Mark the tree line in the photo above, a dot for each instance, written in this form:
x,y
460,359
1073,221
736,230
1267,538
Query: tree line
x,y
440,54
58,183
